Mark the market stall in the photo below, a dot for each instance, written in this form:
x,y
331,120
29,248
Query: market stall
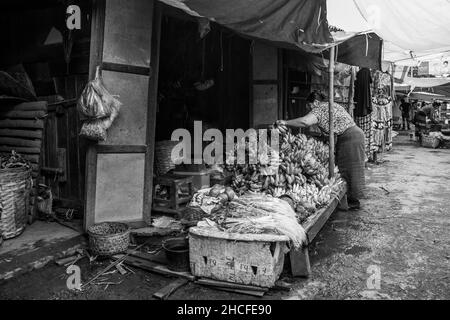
x,y
301,178
292,195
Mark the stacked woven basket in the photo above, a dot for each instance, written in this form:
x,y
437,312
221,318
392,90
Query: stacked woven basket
x,y
109,238
15,186
163,155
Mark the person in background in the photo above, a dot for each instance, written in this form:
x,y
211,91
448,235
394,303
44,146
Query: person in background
x,y
414,108
350,155
428,109
404,108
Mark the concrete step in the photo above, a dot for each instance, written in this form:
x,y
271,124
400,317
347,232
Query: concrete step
x,y
38,254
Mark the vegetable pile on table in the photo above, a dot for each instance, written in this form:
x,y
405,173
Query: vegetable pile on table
x,y
257,213
299,170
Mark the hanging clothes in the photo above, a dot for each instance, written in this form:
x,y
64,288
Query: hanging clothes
x,y
389,125
363,97
382,122
365,123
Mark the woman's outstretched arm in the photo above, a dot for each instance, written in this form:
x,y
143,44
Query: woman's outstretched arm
x,y
303,122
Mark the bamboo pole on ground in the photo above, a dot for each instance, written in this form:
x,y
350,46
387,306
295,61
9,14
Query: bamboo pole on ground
x,y
330,111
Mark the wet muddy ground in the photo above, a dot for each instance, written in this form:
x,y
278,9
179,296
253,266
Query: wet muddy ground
x,y
396,247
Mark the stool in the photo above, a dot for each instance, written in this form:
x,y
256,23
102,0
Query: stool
x,y
173,183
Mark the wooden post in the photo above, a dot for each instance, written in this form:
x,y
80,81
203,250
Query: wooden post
x,y
151,111
392,83
330,110
351,94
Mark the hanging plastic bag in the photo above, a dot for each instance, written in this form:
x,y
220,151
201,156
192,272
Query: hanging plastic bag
x,y
96,129
95,101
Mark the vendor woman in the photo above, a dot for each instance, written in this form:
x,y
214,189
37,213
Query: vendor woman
x,y
350,156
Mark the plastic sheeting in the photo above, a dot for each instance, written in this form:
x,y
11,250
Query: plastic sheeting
x,y
288,24
412,30
299,23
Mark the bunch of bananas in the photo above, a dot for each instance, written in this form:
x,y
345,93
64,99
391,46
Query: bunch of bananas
x,y
299,169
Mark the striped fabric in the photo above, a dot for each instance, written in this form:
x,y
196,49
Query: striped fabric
x,y
366,125
350,160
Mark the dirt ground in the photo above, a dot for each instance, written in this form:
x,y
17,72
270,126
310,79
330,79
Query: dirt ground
x,y
400,236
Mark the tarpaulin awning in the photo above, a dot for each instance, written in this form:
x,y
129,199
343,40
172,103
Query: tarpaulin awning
x,y
289,24
301,23
444,90
425,82
411,29
363,50
426,96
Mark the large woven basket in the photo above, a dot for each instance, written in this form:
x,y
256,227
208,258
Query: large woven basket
x,y
109,238
15,186
163,155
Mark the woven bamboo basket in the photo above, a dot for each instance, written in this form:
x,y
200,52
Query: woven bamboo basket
x,y
109,238
163,153
15,187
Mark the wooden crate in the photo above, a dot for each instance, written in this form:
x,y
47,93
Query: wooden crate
x,y
252,259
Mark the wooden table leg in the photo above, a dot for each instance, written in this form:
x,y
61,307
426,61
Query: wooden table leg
x,y
300,266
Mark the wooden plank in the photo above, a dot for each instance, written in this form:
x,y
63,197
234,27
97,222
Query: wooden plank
x,y
17,142
50,150
72,153
151,111
154,267
330,112
64,261
97,35
120,149
159,258
34,124
62,164
95,58
91,178
21,150
121,269
166,291
63,141
247,292
300,265
32,134
125,68
210,233
223,284
153,232
33,158
31,106
18,114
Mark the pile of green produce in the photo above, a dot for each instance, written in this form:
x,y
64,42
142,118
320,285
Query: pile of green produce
x,y
299,170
